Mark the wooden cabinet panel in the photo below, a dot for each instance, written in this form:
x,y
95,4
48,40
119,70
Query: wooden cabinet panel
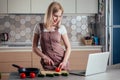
x,y
15,56
36,61
7,66
78,59
9,58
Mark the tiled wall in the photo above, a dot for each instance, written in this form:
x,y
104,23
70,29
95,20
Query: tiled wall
x,y
20,27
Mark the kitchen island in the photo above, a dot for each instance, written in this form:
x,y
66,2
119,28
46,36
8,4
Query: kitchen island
x,y
110,74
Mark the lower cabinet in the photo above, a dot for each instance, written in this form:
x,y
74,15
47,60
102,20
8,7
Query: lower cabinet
x,y
36,61
77,61
20,58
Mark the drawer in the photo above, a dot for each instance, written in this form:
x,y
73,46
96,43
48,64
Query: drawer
x,y
15,56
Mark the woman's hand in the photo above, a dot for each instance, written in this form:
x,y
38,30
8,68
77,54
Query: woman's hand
x,y
62,65
48,61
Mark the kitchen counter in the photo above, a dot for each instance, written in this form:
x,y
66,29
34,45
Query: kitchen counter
x,y
5,48
111,74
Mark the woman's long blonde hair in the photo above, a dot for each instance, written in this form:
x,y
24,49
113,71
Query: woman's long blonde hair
x,y
52,8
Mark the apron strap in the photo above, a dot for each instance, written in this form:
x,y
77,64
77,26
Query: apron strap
x,y
41,27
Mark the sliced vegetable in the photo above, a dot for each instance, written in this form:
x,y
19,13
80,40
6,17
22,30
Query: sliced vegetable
x,y
50,75
56,74
64,74
41,75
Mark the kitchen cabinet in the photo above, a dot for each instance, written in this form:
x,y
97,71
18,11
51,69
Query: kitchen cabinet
x,y
25,57
77,61
3,6
9,58
39,6
36,61
67,9
87,6
18,6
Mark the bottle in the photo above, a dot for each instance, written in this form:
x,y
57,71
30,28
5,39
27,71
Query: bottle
x,y
92,37
96,40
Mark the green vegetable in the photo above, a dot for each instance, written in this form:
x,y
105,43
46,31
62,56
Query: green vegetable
x,y
50,75
41,75
56,74
64,74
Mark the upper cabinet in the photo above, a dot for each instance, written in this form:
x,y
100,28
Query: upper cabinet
x,y
39,6
3,6
87,6
65,3
18,6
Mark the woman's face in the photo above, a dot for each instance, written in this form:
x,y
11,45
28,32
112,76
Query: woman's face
x,y
57,17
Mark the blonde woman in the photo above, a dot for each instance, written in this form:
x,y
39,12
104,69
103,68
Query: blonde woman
x,y
49,34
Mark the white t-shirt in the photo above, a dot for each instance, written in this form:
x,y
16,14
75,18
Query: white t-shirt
x,y
62,30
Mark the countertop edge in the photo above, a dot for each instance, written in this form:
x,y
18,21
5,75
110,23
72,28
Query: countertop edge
x,y
28,49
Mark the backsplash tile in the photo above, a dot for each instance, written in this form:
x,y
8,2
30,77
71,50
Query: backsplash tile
x,y
20,27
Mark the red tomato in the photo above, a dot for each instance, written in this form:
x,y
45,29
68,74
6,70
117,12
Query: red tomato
x,y
22,75
32,75
57,69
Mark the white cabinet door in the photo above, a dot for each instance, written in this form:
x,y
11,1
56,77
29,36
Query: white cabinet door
x,y
87,6
68,5
18,6
3,6
39,6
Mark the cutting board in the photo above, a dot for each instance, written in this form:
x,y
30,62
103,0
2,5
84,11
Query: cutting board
x,y
52,72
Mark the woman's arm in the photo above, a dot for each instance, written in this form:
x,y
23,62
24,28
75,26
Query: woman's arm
x,y
67,46
35,45
67,52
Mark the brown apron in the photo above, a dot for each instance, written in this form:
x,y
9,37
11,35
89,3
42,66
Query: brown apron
x,y
50,45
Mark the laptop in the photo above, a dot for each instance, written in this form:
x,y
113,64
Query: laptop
x,y
97,63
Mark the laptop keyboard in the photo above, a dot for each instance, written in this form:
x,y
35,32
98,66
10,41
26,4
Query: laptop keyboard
x,y
77,72
81,72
